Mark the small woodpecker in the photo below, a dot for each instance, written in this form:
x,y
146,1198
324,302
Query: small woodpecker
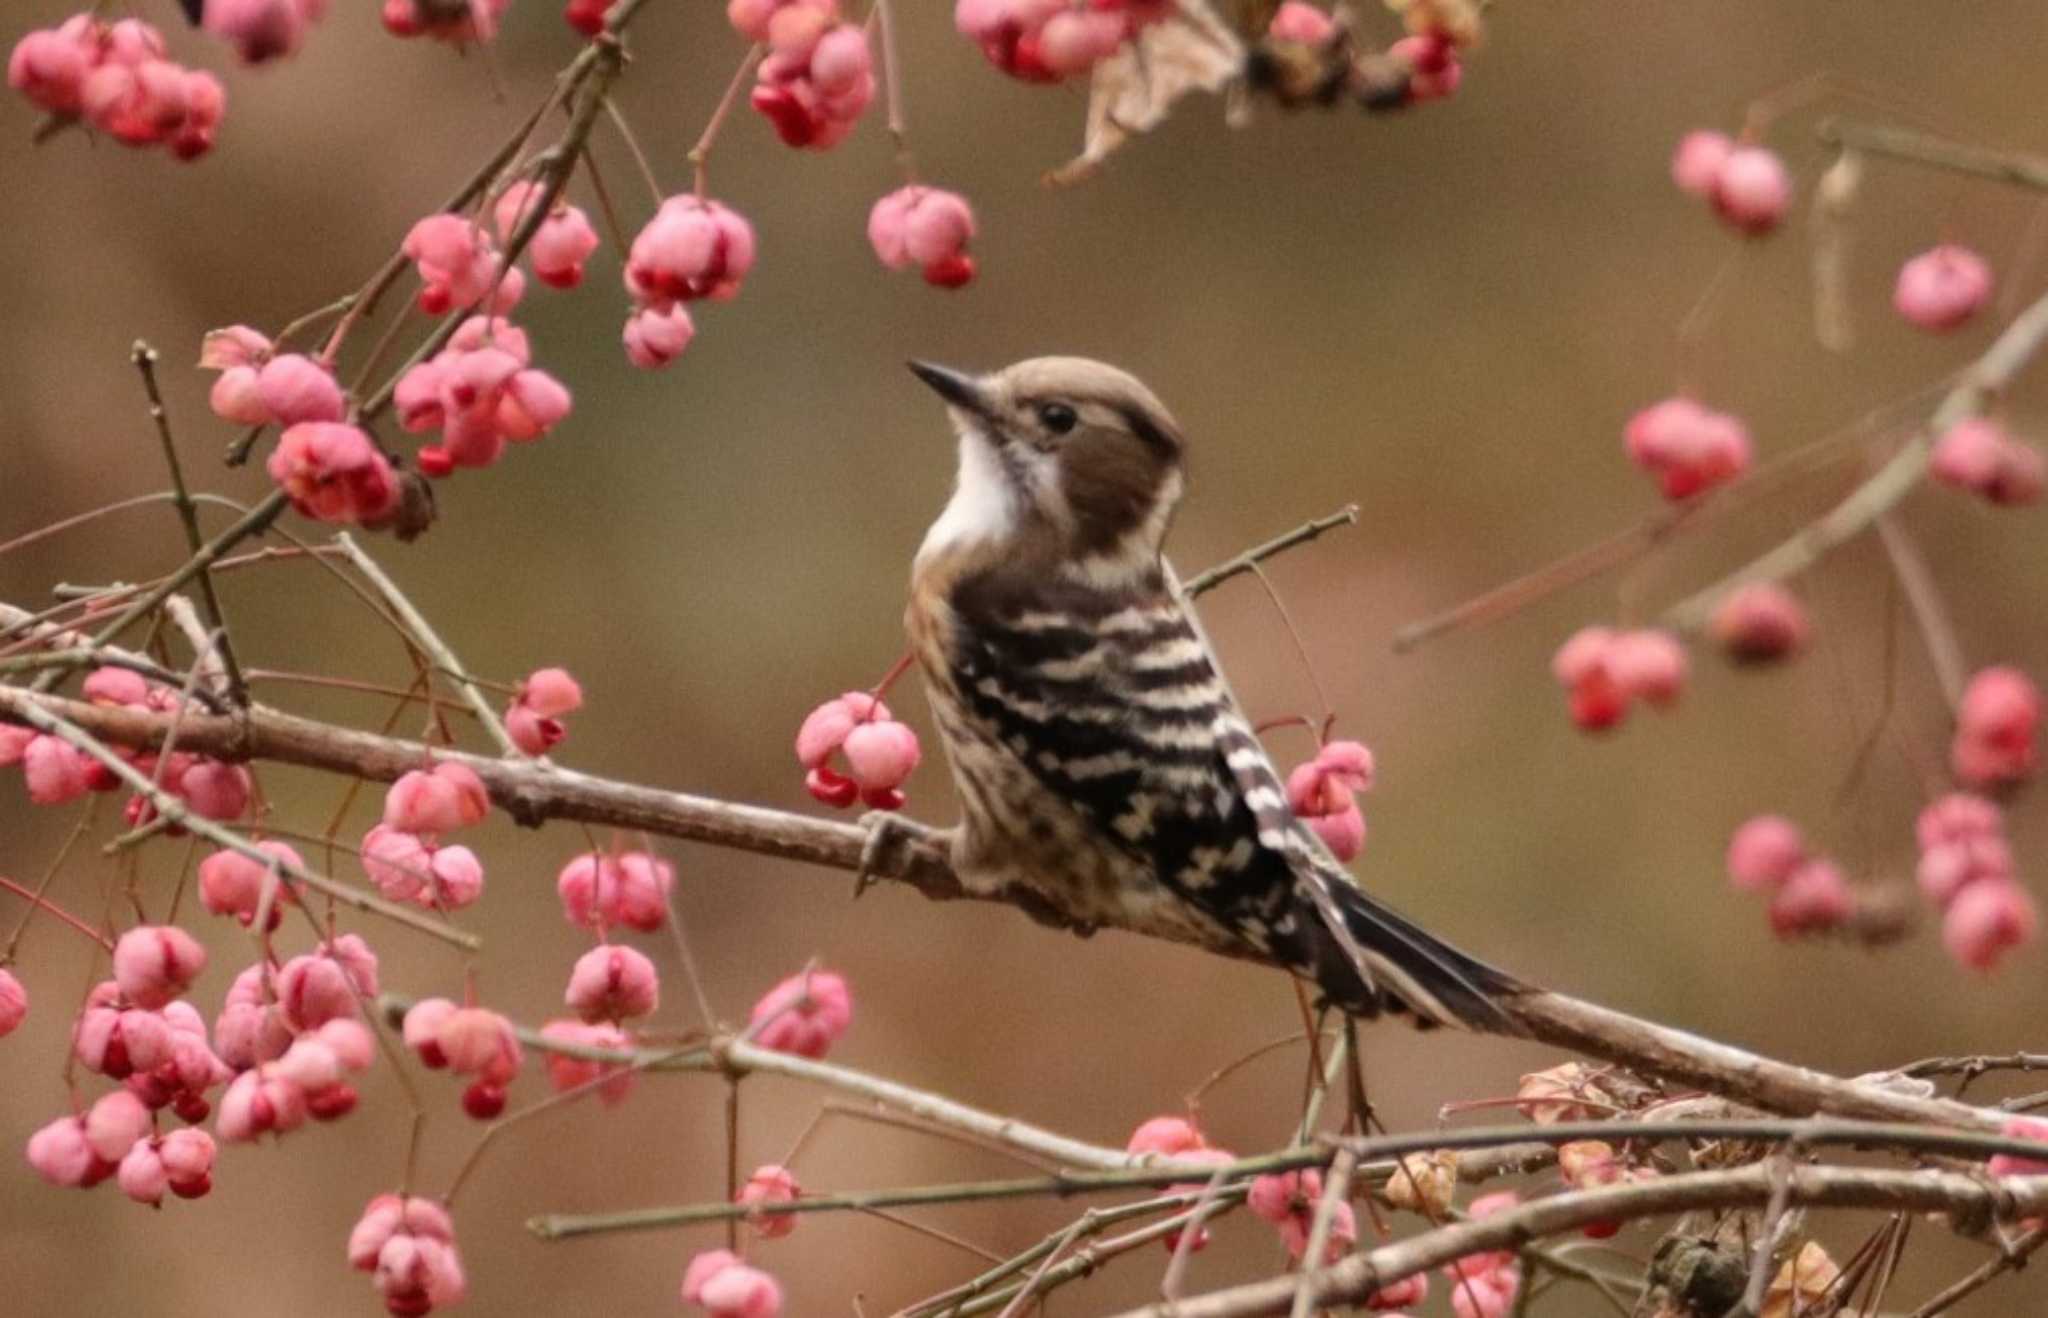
x,y
1099,754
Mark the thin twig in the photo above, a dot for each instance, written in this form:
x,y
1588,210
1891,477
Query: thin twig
x,y
145,359
1250,558
1930,614
2010,1259
429,640
251,523
1335,1191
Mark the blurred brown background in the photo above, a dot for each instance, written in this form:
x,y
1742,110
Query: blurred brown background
x,y
1444,316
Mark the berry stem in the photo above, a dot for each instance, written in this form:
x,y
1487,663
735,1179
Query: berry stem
x,y
36,899
700,154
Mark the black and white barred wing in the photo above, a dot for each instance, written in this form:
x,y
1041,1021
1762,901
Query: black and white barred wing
x,y
1114,702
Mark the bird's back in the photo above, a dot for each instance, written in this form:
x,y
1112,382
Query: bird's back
x,y
1100,757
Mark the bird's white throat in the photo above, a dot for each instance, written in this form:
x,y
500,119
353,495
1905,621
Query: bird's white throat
x,y
984,503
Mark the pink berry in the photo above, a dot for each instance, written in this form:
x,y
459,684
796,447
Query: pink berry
x,y
1985,921
156,963
727,1288
2009,1164
231,883
1996,725
926,227
566,1072
1814,897
1168,1137
1302,23
654,337
611,982
1764,851
692,248
1752,190
771,1184
13,1003
1759,623
1943,287
334,473
1696,164
805,1014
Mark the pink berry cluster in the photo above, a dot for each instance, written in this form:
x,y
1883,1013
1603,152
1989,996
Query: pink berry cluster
x,y
1747,185
1759,623
1484,1285
1289,1201
858,731
1966,869
1604,671
259,386
116,1137
333,471
481,392
717,1282
818,76
135,1029
805,1014
1978,455
1688,448
1178,1140
458,24
403,854
1323,793
262,30
1942,288
294,1033
1051,40
407,1244
1808,892
1998,722
924,227
611,983
118,78
534,718
55,772
693,248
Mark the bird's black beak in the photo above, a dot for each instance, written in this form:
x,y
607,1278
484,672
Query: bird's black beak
x,y
956,387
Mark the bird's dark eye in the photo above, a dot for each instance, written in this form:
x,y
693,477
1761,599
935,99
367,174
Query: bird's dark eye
x,y
1057,417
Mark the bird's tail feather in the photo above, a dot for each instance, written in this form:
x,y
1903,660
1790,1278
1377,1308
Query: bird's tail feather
x,y
1372,959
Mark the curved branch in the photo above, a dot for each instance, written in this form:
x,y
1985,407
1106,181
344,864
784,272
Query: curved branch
x,y
1971,1198
533,792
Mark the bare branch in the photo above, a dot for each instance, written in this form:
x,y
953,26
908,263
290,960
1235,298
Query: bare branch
x,y
1965,1196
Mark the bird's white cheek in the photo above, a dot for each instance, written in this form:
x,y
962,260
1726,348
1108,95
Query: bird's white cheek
x,y
984,502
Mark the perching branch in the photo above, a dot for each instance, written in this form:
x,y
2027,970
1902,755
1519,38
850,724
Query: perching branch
x,y
533,793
